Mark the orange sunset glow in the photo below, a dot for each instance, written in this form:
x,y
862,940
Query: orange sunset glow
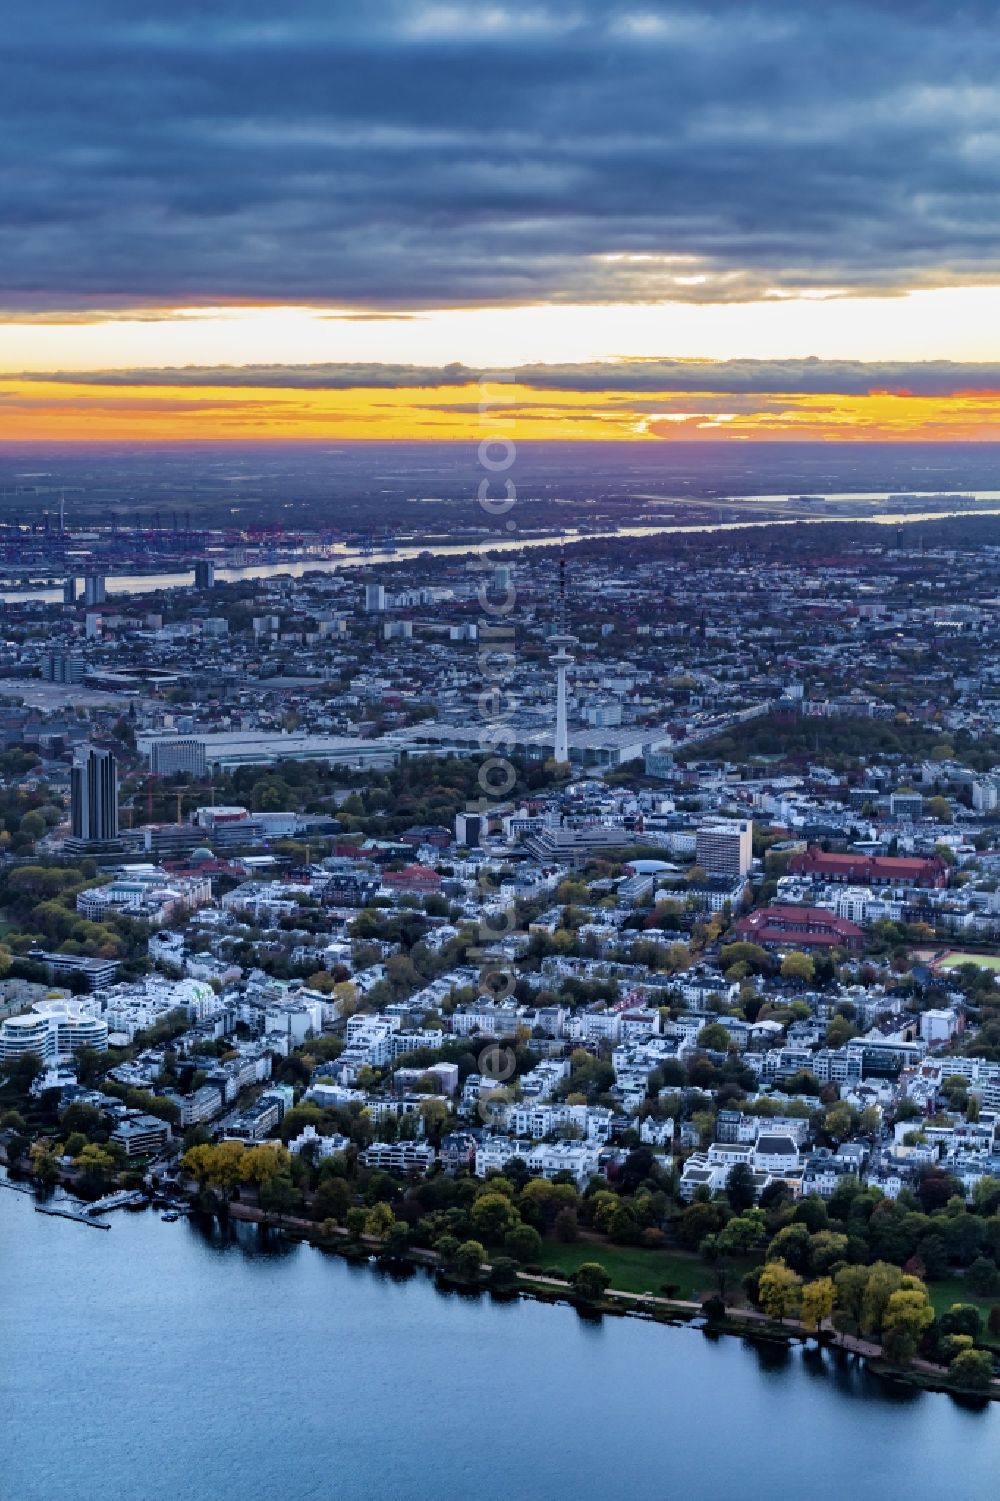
x,y
32,410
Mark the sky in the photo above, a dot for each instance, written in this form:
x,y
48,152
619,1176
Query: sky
x,y
635,221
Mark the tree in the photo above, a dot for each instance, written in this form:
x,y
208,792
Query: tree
x,y
792,1246
22,1072
697,1221
939,809
714,1037
778,1290
986,1195
95,1167
434,1113
469,1258
839,1032
32,825
379,1221
541,1202
217,1167
798,967
850,1283
907,1315
961,1318
983,1277
45,1164
492,1216
972,1370
565,1226
278,1194
523,1243
744,1232
332,1200
883,1280
589,1281
839,1122
503,1273
259,1165
818,1299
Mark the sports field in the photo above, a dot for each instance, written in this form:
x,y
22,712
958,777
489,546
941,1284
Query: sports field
x,y
985,961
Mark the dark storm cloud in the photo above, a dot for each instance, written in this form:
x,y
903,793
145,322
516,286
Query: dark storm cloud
x,y
406,154
801,377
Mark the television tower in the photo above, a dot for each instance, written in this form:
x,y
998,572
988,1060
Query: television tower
x,y
561,659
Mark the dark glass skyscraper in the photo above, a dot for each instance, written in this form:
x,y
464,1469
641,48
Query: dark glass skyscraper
x,y
94,796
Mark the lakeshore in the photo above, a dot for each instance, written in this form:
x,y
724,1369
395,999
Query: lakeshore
x,y
739,1320
201,1328
746,1323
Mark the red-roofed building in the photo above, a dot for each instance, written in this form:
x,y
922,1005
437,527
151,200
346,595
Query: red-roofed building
x,y
870,870
799,928
415,879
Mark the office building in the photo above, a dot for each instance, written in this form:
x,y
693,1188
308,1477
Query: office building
x,y
182,754
52,1030
469,829
725,849
374,599
204,574
94,796
94,589
57,668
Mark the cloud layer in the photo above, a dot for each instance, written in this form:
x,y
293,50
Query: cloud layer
x,y
749,377
417,155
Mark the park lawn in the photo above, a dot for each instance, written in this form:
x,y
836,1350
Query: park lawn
x,y
633,1269
956,1290
984,961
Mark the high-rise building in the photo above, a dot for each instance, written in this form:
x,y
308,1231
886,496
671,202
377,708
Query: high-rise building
x,y
374,598
985,796
94,589
204,574
57,668
94,796
469,829
725,849
561,659
69,590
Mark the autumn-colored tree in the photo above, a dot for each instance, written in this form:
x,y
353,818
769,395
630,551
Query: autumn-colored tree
x,y
908,1313
260,1164
799,967
379,1221
779,1290
818,1299
882,1281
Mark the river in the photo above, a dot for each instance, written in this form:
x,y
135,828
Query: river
x,y
343,557
164,1362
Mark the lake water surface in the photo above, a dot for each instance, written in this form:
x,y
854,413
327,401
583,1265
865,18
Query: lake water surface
x,y
162,1362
